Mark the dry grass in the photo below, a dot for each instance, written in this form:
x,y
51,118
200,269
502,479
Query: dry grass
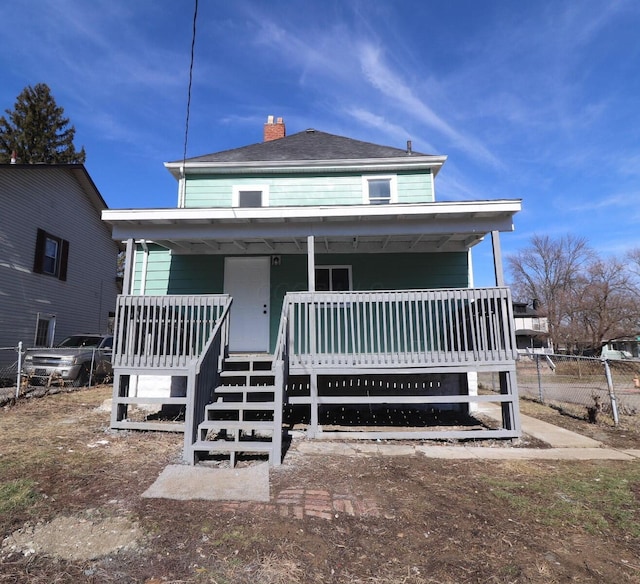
x,y
440,522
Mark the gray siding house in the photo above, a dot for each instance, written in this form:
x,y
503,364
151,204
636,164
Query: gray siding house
x,y
310,274
57,259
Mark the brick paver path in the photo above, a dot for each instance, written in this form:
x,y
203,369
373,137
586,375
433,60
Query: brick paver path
x,y
298,503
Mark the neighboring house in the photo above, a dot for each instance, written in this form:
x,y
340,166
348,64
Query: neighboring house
x,y
622,348
309,272
532,329
58,260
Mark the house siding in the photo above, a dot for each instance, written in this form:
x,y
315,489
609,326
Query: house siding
x,y
304,189
177,274
52,199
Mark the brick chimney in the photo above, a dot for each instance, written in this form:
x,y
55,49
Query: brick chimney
x,y
274,131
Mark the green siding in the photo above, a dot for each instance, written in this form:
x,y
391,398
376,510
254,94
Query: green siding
x,y
371,272
303,189
179,274
204,274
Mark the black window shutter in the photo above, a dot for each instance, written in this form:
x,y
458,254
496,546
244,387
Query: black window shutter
x,y
64,260
39,255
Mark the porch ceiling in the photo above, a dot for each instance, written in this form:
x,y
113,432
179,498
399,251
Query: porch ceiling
x,y
348,229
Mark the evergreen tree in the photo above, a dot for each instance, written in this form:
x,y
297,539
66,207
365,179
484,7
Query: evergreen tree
x,y
37,131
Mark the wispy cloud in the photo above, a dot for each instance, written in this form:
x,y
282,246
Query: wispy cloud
x,y
392,86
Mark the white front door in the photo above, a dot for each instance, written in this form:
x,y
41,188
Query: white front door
x,y
246,280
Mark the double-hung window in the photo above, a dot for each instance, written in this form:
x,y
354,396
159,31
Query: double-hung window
x,y
51,255
248,196
333,278
379,190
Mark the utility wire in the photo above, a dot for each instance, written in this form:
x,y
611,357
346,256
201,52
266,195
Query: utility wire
x,y
193,44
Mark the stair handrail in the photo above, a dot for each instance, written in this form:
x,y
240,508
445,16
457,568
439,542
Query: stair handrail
x,y
203,377
281,374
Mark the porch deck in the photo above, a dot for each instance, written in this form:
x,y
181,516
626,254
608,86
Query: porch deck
x,y
442,335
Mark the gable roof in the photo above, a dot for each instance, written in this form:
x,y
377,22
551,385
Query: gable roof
x,y
310,148
76,170
307,145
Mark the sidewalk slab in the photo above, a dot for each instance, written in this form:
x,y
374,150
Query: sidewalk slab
x,y
481,453
318,447
553,435
185,483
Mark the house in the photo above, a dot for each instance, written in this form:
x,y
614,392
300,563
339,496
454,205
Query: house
x,y
58,261
622,348
309,274
532,329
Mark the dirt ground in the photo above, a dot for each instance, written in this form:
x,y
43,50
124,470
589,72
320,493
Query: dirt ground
x,y
71,511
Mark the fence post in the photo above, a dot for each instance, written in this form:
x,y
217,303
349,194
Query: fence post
x,y
540,394
19,374
93,364
612,395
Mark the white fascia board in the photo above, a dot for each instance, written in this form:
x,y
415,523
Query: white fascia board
x,y
300,166
300,229
509,206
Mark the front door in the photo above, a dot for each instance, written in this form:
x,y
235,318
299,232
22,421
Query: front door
x,y
246,280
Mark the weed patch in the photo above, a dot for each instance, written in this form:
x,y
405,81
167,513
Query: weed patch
x,y
596,499
17,495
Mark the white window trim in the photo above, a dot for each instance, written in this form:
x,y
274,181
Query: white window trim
x,y
50,319
339,266
393,186
235,197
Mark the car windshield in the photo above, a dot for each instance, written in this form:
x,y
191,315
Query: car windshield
x,y
81,341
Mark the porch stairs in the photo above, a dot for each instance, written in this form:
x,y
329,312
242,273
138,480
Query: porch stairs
x,y
243,418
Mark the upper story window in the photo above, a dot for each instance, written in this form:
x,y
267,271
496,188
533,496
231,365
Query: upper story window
x,y
333,278
379,190
250,196
51,255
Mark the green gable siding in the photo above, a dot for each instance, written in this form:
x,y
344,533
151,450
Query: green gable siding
x,y
303,189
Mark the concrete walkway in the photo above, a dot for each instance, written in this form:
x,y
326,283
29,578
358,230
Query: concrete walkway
x,y
183,482
553,435
564,445
251,485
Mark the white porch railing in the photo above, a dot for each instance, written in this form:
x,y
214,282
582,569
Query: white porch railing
x,y
164,331
400,329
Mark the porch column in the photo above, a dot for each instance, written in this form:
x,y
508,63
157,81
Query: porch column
x,y
497,258
311,263
128,268
313,378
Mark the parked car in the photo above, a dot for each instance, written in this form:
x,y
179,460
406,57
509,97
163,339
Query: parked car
x,y
74,360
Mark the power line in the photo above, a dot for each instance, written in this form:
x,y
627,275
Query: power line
x,y
193,44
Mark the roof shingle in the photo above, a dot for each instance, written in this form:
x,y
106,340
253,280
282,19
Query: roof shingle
x,y
307,145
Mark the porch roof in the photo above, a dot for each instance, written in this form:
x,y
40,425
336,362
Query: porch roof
x,y
442,226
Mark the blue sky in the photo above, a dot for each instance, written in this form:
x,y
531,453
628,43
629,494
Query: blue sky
x,y
538,101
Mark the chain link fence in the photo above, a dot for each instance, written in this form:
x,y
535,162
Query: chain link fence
x,y
12,386
8,366
584,387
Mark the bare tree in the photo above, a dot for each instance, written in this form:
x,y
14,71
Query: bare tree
x,y
549,271
633,266
603,307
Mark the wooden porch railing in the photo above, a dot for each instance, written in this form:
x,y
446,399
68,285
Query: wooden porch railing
x,y
203,378
399,329
164,331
